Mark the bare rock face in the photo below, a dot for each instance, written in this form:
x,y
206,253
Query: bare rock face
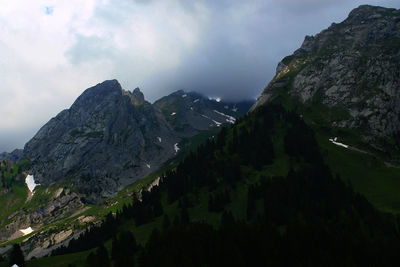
x,y
353,66
103,142
111,137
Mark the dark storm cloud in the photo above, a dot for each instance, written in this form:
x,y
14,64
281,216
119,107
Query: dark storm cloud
x,y
238,58
239,43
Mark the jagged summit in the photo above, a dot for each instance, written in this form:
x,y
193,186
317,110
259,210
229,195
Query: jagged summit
x,y
136,97
365,26
101,90
366,13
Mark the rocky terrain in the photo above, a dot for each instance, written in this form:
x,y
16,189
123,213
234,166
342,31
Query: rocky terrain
x,y
104,141
354,68
189,113
111,137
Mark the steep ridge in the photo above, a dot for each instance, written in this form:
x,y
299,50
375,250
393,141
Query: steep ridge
x,y
104,141
351,72
111,137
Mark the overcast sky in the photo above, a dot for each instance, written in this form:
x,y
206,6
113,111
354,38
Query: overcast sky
x,y
51,50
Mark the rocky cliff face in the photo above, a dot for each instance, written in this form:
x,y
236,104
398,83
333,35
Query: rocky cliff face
x,y
353,66
111,137
105,140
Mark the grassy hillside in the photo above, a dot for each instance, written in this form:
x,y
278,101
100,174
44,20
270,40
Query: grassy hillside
x,y
369,175
365,169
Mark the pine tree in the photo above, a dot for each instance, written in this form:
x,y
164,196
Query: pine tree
x,y
166,222
185,216
91,260
116,248
227,218
102,256
16,256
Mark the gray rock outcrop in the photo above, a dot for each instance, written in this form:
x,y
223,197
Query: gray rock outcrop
x,y
103,142
352,67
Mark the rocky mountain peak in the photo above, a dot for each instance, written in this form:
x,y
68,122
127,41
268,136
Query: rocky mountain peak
x,y
101,132
352,67
99,93
366,13
137,97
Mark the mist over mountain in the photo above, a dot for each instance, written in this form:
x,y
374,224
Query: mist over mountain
x,y
308,177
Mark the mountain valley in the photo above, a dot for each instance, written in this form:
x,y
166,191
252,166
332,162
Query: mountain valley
x,y
308,175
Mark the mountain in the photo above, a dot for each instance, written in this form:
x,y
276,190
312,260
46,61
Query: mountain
x,y
188,113
350,75
272,188
111,137
107,139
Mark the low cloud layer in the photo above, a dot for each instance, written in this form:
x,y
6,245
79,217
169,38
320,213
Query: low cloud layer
x,y
50,51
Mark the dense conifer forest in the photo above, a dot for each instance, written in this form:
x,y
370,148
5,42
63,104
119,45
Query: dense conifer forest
x,y
309,217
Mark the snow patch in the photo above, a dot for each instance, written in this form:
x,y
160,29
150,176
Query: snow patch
x,y
159,139
229,119
333,140
148,165
173,113
30,182
15,265
26,231
176,148
216,122
197,100
185,95
235,109
218,99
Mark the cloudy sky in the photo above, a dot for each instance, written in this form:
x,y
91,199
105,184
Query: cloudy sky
x,y
51,50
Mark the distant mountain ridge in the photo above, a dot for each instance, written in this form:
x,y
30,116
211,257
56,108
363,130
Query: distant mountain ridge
x,y
353,69
111,137
13,156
